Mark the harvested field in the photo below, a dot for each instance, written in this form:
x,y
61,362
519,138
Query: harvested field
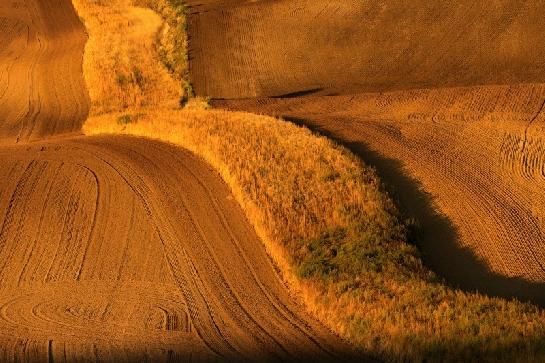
x,y
41,85
118,248
447,103
285,47
129,237
466,163
115,248
470,157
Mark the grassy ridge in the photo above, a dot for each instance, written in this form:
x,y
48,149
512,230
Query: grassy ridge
x,y
121,66
172,40
324,219
292,184
338,240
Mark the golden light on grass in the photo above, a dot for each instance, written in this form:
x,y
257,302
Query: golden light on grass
x,y
121,66
335,235
322,214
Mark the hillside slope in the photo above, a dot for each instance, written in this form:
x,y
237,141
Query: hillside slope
x,y
117,248
274,48
467,162
470,173
42,91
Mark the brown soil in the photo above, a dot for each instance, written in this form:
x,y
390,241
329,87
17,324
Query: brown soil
x,y
42,92
118,248
471,181
285,47
467,162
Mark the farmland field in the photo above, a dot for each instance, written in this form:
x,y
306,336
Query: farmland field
x,y
465,155
117,248
272,180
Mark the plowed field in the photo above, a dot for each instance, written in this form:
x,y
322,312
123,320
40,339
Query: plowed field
x,y
465,157
117,248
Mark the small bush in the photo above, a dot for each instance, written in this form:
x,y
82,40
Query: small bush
x,y
122,80
138,77
129,119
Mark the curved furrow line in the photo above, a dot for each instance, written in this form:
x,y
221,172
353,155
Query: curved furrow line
x,y
44,94
174,202
526,159
245,296
499,220
479,198
130,307
204,262
48,190
93,222
181,264
119,248
62,262
268,289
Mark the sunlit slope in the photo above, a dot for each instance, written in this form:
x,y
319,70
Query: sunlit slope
x,y
272,48
468,163
116,248
135,247
41,83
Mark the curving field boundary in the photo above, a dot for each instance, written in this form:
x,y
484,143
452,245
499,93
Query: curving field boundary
x,y
117,248
472,156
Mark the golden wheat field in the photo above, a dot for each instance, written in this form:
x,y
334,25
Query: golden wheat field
x,y
272,180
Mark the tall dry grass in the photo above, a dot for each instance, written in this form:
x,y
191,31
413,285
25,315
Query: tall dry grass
x,y
172,40
121,66
323,217
338,241
292,184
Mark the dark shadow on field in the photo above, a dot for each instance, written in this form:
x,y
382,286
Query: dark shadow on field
x,y
303,93
103,352
435,235
472,352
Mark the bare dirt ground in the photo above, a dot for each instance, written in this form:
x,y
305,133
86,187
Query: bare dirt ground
x,y
274,48
467,162
117,248
41,88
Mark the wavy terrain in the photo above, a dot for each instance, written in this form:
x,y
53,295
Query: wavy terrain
x,y
274,48
118,248
467,162
42,92
474,183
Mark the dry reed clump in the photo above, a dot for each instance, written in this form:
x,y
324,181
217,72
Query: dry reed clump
x,y
327,223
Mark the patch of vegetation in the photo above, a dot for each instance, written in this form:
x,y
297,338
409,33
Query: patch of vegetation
x,y
172,42
121,79
136,77
343,253
129,119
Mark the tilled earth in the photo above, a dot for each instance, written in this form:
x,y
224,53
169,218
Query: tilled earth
x,y
118,248
446,101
